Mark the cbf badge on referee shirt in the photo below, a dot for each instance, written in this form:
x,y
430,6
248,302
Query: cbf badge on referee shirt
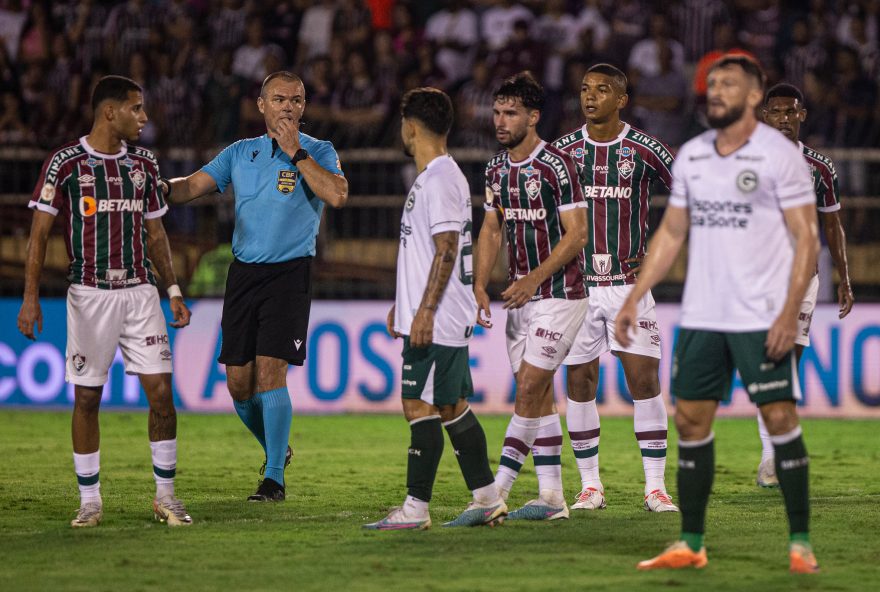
x,y
286,181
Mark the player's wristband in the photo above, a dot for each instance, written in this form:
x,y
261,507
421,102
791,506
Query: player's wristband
x,y
174,291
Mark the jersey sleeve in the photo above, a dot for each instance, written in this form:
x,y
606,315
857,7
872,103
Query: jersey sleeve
x,y
828,192
569,194
794,185
661,164
678,194
326,156
156,206
48,195
220,168
491,203
445,211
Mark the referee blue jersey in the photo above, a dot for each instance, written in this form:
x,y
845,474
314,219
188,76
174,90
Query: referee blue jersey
x,y
276,212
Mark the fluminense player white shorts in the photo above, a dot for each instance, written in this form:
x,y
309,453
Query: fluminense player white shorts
x,y
805,318
99,320
542,331
596,335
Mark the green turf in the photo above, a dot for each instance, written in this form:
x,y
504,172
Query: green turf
x,y
348,469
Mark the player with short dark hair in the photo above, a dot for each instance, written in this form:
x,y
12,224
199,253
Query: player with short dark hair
x,y
617,164
281,180
107,192
532,191
434,312
785,110
743,199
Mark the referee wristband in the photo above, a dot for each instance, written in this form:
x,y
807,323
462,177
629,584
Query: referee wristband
x,y
174,291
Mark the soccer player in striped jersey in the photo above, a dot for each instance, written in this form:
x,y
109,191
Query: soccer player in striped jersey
x,y
616,166
434,312
784,110
743,200
106,191
532,191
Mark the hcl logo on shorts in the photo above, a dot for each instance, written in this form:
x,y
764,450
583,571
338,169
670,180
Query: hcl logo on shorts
x,y
525,214
548,334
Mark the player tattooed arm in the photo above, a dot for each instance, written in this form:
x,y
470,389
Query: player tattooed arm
x,y
485,254
574,221
30,312
159,252
837,245
445,249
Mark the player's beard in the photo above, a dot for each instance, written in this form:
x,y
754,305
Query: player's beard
x,y
515,140
731,116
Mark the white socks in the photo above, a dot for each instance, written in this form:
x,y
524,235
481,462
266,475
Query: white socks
x,y
164,466
651,425
87,467
583,429
546,452
766,442
520,436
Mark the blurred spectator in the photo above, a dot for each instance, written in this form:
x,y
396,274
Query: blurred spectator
x,y
591,19
381,14
454,31
84,22
127,30
864,44
316,30
386,69
659,99
559,31
8,78
352,22
35,38
13,127
248,59
223,93
572,113
759,29
282,25
695,22
521,52
65,73
854,96
498,22
227,25
806,53
628,25
644,60
407,36
359,105
12,21
319,84
473,110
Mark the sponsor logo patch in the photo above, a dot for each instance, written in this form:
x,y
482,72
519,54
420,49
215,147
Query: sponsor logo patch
x,y
747,181
78,361
602,263
578,153
549,351
760,387
128,162
157,339
165,355
92,162
115,275
625,152
47,193
411,201
86,180
548,334
625,168
286,181
525,215
88,206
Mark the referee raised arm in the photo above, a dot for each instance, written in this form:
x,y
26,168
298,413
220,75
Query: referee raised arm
x,y
281,181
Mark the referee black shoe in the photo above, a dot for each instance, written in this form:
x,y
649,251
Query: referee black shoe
x,y
269,490
287,458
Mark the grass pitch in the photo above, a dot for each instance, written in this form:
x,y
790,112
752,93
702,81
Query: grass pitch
x,y
347,470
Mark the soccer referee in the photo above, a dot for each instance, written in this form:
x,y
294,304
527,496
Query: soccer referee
x,y
281,180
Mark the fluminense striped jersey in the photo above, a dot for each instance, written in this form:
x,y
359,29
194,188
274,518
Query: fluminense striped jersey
x,y
616,181
104,199
824,179
530,195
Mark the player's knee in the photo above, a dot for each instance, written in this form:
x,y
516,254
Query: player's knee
x,y
87,400
644,387
689,428
582,383
239,390
779,419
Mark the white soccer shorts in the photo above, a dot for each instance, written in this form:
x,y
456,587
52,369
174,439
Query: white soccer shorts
x,y
596,335
805,317
542,331
99,320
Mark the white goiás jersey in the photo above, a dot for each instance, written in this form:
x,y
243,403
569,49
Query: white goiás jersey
x,y
439,201
740,252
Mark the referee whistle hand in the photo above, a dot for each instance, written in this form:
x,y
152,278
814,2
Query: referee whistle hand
x,y
288,136
30,314
181,313
625,323
781,336
389,324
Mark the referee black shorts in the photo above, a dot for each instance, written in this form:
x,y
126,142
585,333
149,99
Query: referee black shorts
x,y
266,311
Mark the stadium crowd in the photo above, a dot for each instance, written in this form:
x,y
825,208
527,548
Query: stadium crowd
x,y
202,62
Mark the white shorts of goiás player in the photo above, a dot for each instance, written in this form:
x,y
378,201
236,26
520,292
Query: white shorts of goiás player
x,y
541,332
99,320
805,318
596,336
